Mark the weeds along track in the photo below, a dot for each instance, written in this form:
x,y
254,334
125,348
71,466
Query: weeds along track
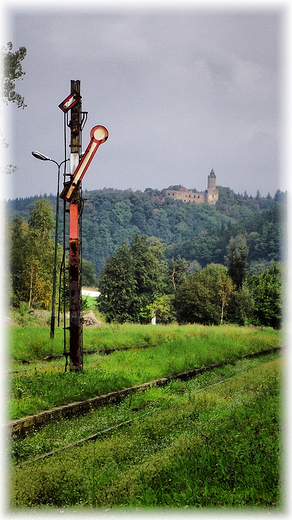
x,y
211,441
153,405
19,427
101,351
102,433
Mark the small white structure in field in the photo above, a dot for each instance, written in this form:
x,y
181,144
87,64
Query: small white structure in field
x,y
94,294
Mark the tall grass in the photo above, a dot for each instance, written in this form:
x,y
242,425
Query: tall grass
x,y
156,399
216,448
43,385
32,343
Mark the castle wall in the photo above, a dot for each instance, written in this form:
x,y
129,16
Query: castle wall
x,y
187,196
210,195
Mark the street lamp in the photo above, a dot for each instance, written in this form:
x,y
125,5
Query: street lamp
x,y
43,157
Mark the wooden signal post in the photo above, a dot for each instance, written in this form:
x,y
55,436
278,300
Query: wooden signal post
x,y
71,194
76,350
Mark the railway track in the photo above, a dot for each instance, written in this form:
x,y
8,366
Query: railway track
x,y
26,424
140,417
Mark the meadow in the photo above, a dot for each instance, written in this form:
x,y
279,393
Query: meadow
x,y
211,442
151,352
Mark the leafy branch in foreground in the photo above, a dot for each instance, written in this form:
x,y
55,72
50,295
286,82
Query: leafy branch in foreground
x,y
12,71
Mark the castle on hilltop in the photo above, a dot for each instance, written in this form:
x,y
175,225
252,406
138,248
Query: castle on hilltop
x,y
210,195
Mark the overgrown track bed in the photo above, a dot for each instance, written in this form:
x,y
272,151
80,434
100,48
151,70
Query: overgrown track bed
x,y
105,351
212,441
41,386
22,426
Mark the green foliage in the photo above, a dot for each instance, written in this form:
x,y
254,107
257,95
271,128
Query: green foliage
x,y
164,310
41,218
32,257
23,308
176,272
118,300
242,306
237,254
88,274
131,280
12,71
243,231
196,233
209,295
264,234
266,288
203,296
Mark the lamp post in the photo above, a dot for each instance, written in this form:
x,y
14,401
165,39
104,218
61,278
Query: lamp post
x,y
43,157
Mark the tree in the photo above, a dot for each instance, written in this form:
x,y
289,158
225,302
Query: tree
x,y
266,288
117,285
241,306
225,290
193,302
177,271
131,280
258,195
41,218
203,296
88,274
12,71
19,250
32,257
163,309
237,253
149,270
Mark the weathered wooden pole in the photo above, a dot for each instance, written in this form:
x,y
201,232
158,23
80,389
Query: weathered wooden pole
x,y
71,194
75,328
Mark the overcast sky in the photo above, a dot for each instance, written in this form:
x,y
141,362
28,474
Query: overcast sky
x,y
181,90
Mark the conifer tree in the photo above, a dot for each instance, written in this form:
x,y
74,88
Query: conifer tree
x,y
237,254
131,280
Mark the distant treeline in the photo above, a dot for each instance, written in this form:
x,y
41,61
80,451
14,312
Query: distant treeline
x,y
199,233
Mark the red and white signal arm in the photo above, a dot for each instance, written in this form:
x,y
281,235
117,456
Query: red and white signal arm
x,y
99,135
70,101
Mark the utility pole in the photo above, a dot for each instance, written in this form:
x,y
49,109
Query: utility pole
x,y
75,328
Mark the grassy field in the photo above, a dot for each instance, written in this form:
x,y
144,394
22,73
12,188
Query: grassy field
x,y
154,352
29,339
211,442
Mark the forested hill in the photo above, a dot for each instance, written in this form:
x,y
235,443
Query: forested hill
x,y
198,233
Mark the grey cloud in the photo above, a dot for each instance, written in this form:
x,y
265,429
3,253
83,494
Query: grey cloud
x,y
180,92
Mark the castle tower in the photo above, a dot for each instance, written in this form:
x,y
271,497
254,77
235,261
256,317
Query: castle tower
x,y
212,180
211,194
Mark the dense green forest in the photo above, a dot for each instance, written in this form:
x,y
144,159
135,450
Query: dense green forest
x,y
198,233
